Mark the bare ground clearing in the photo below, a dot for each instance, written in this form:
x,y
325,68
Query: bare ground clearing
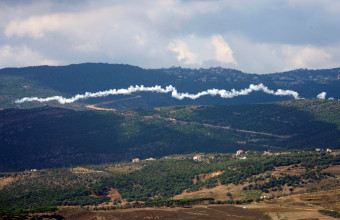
x,y
6,180
196,212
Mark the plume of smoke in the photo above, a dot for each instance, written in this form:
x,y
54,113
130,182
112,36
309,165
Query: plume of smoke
x,y
321,95
158,89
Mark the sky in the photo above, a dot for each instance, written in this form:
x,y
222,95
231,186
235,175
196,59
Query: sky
x,y
254,36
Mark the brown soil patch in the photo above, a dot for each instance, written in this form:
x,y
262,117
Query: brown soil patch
x,y
218,193
196,212
123,168
95,106
6,180
114,194
289,170
277,212
205,176
99,108
329,199
335,170
298,207
84,170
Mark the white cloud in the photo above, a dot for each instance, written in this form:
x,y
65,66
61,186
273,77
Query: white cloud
x,y
304,56
183,51
321,95
258,57
223,52
22,56
163,33
36,26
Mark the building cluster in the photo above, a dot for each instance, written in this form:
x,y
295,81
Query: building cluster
x,y
319,150
136,160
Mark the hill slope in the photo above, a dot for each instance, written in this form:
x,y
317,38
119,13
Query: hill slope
x,y
55,137
44,81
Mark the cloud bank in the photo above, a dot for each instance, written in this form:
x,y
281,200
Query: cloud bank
x,y
168,89
254,36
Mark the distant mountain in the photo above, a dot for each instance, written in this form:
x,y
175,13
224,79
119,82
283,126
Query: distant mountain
x,y
54,137
44,81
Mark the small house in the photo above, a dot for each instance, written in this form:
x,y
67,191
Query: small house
x,y
136,160
239,152
197,158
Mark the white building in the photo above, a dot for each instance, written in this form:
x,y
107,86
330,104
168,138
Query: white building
x,y
136,160
239,152
197,158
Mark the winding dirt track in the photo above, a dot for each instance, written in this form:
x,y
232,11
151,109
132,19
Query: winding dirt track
x,y
94,107
219,127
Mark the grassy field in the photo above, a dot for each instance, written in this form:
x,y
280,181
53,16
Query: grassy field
x,y
197,212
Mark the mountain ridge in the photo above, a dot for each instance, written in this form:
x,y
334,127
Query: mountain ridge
x,y
44,81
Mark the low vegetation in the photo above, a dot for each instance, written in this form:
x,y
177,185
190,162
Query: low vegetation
x,y
158,181
332,213
23,213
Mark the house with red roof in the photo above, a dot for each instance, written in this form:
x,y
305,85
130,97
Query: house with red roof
x,y
136,160
239,152
197,158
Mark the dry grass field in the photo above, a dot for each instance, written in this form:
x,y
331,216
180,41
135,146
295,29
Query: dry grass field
x,y
301,206
294,207
194,213
6,180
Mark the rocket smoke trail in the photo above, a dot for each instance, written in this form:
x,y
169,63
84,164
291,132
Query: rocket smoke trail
x,y
158,89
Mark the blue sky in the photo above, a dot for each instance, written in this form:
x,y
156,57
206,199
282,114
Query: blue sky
x,y
256,36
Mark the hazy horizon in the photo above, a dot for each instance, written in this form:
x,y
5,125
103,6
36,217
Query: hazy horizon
x,y
252,36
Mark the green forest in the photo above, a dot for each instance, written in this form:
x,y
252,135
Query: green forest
x,y
49,137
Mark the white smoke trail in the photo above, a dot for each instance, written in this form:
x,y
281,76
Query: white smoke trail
x,y
174,93
321,95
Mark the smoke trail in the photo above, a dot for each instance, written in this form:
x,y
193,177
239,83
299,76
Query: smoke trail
x,y
158,89
321,95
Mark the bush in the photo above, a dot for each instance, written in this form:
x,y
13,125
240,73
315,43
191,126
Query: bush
x,y
331,213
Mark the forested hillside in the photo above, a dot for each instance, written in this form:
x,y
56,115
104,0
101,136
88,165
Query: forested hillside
x,y
55,137
44,81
